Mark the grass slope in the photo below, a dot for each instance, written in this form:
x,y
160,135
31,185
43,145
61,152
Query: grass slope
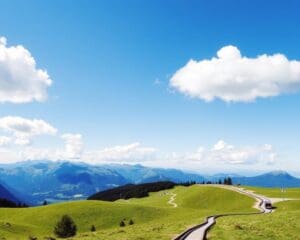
x,y
276,192
154,218
283,224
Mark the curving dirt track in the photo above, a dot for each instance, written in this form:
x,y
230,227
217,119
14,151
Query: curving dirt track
x,y
172,200
199,232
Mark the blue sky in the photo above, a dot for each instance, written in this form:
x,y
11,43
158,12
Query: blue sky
x,y
111,63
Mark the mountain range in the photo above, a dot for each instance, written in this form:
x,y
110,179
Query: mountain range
x,y
35,181
271,179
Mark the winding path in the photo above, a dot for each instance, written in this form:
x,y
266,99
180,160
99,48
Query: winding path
x,y
199,232
172,199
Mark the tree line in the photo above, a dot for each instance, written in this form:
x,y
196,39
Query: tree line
x,y
225,181
5,203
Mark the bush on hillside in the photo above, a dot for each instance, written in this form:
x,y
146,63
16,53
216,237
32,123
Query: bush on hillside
x,y
32,238
93,228
131,222
122,224
65,227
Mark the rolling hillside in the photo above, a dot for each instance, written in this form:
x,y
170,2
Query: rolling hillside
x,y
154,216
283,224
277,192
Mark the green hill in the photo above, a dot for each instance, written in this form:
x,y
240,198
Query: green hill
x,y
155,217
276,192
282,224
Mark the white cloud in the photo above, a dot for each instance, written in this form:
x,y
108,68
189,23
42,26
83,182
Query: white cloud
x,y
9,156
221,145
20,80
4,141
23,129
221,155
72,150
224,153
130,153
234,78
73,145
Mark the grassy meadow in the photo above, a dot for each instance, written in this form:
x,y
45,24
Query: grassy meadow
x,y
276,192
154,217
282,224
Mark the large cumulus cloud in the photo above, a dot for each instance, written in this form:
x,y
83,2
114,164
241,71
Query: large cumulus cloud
x,y
20,79
234,78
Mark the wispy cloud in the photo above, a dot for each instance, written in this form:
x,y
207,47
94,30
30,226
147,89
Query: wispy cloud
x,y
131,153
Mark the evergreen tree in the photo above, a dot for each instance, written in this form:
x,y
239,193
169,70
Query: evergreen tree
x,y
32,238
65,227
122,224
24,205
225,181
131,222
93,228
229,181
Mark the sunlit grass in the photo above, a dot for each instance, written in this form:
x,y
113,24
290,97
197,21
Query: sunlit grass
x,y
154,218
283,224
276,192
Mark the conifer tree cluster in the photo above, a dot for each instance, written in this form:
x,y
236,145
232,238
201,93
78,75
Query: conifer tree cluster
x,y
65,227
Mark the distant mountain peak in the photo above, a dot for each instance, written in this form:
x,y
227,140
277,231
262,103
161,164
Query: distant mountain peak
x,y
279,173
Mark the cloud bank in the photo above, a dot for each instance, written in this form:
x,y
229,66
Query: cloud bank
x,y
224,153
71,150
17,143
20,80
131,153
232,77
